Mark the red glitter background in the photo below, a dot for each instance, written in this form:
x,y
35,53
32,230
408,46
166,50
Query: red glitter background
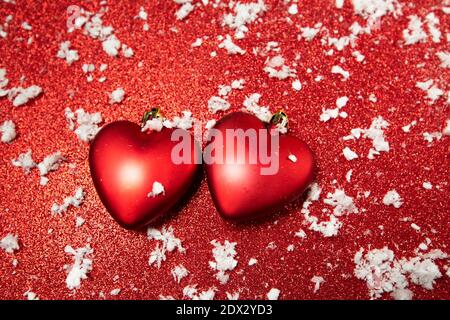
x,y
176,77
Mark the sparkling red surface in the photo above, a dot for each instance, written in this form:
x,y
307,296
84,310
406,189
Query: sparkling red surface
x,y
176,77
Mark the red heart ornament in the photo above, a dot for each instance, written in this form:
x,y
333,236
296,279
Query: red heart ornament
x,y
238,189
124,164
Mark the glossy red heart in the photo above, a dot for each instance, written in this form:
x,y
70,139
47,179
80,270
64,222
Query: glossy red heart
x,y
239,190
124,164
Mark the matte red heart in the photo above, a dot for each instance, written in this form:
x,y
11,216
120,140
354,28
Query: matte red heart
x,y
239,190
125,163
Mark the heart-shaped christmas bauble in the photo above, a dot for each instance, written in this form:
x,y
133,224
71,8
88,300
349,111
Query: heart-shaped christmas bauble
x,y
238,186
134,174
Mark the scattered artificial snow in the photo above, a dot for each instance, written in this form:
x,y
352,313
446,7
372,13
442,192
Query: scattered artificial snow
x,y
338,70
317,280
87,123
301,234
224,259
309,33
225,90
328,114
79,221
392,198
339,43
3,82
375,133
143,15
111,46
116,96
30,295
155,124
432,24
252,262
427,185
276,68
445,58
186,8
127,52
402,294
372,10
190,291
197,43
76,200
383,273
349,154
8,131
251,103
168,243
230,46
358,56
20,96
273,294
88,67
179,272
157,189
50,163
326,228
25,161
414,33
233,296
348,175
296,85
433,92
244,14
429,137
66,53
424,245
92,25
341,101
82,265
216,104
103,67
423,270
10,243
293,9
271,245
185,122
446,131
341,202
115,292
408,127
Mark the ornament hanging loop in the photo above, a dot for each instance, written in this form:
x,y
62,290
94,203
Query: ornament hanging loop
x,y
279,119
152,114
